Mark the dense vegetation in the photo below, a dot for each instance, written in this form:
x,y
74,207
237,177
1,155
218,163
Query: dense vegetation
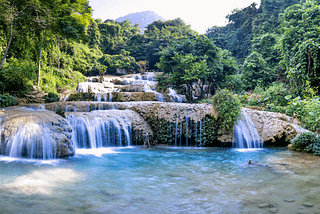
x,y
141,18
268,55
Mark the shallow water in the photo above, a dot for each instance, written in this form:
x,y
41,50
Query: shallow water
x,y
163,180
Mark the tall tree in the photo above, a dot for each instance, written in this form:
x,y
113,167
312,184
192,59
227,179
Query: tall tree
x,y
21,17
300,44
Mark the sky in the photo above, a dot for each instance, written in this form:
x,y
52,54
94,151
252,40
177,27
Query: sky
x,y
200,14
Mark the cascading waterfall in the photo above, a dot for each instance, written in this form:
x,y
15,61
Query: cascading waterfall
x,y
32,141
159,96
174,96
108,129
97,97
245,135
110,97
101,97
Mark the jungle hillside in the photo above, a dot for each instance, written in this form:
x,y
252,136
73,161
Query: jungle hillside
x,y
267,56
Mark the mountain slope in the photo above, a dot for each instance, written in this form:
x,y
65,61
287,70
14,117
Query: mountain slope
x,y
143,18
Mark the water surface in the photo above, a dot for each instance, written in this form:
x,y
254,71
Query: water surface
x,y
163,180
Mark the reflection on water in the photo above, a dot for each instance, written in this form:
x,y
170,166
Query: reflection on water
x,y
164,180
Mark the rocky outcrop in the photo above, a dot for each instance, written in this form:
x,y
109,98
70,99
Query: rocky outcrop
x,y
171,112
273,128
133,96
34,134
81,97
133,88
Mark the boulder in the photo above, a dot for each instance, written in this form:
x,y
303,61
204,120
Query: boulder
x,y
273,128
30,133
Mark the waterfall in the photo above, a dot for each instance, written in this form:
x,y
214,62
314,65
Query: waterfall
x,y
97,97
82,87
245,135
159,96
32,141
100,129
174,96
110,97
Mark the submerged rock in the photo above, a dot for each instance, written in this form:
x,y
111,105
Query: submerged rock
x,y
32,133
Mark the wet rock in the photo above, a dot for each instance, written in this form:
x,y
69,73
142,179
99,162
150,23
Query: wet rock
x,y
35,96
133,96
133,88
273,128
170,112
34,134
140,127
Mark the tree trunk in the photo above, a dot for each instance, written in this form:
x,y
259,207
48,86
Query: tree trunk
x,y
8,46
58,40
39,68
189,93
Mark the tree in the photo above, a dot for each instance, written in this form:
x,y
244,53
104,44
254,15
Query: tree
x,y
300,44
21,17
114,62
190,61
256,71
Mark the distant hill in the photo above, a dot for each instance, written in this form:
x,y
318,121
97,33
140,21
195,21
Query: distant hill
x,y
143,18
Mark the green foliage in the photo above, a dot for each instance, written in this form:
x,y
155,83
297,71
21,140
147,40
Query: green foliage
x,y
300,44
272,97
237,35
17,75
160,34
115,36
55,81
307,110
121,61
228,107
256,72
52,97
308,142
194,60
247,26
208,132
234,83
7,100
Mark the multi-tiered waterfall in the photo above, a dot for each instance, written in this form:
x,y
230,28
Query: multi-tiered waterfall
x,y
38,132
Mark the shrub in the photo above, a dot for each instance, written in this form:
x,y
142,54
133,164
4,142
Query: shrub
x,y
271,97
7,100
54,80
17,75
308,142
52,97
227,105
308,112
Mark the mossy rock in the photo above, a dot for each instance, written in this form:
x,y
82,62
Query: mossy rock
x,y
133,96
81,97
